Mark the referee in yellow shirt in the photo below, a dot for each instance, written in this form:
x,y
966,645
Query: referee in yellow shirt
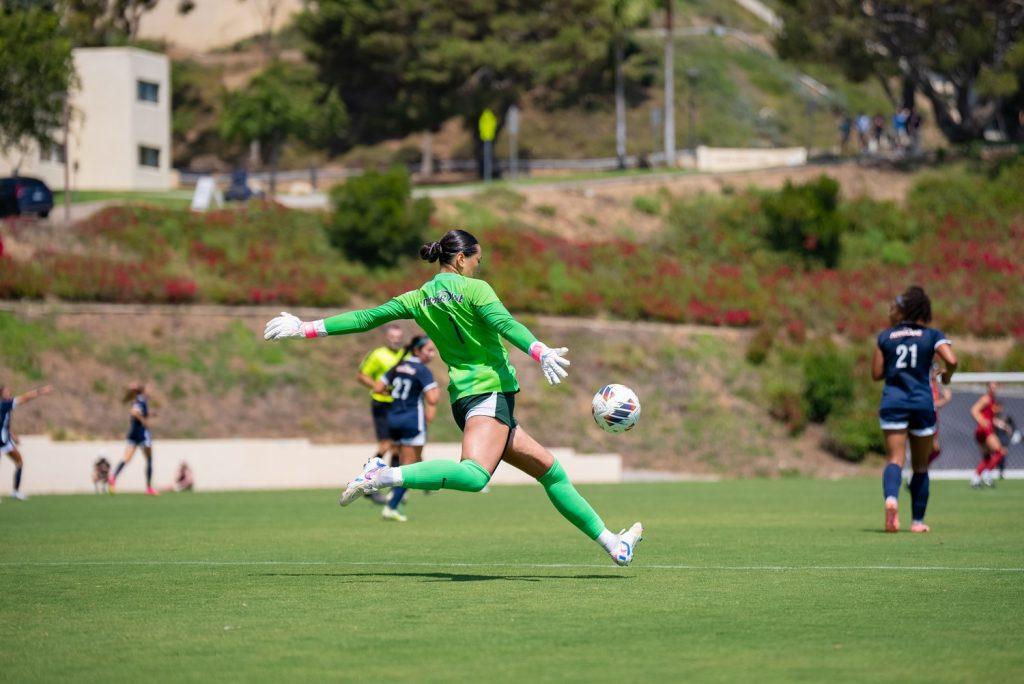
x,y
374,366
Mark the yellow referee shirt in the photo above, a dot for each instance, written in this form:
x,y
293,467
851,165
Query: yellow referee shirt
x,y
376,364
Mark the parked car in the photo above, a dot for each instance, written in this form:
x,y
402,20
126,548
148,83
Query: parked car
x,y
22,195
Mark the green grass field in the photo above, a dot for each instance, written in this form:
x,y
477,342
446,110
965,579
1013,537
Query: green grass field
x,y
757,580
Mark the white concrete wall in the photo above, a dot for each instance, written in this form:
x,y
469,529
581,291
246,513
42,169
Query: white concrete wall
x,y
720,159
236,464
108,125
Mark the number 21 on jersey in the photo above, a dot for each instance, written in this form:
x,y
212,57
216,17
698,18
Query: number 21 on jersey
x,y
902,352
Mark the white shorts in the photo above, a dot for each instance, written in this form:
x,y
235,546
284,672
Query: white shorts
x,y
418,440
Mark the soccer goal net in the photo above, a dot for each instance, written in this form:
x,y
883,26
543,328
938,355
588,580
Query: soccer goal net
x,y
960,451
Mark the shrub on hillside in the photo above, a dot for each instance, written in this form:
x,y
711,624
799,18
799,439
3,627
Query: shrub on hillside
x,y
376,221
804,220
828,381
853,434
760,345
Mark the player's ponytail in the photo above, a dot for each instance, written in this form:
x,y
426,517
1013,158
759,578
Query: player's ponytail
x,y
133,391
915,305
454,243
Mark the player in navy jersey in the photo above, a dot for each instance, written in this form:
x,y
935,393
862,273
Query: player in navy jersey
x,y
903,359
138,435
8,442
414,396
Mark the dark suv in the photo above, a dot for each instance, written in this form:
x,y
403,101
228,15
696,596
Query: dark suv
x,y
21,195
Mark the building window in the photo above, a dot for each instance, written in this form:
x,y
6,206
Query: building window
x,y
147,91
52,152
149,156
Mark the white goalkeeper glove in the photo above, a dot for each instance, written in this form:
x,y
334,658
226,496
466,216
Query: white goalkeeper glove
x,y
551,361
288,325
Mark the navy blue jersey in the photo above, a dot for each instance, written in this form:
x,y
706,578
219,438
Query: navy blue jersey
x,y
141,403
408,381
908,350
6,410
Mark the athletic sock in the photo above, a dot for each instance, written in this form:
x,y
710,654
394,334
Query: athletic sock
x,y
891,477
394,460
919,495
608,540
17,478
465,476
118,469
569,503
982,466
397,494
149,472
995,460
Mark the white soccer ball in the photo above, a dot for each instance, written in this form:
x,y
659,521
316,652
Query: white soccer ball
x,y
616,408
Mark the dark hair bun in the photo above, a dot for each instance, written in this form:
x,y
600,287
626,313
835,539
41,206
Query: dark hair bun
x,y
431,251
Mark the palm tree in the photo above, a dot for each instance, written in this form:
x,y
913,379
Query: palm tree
x,y
626,15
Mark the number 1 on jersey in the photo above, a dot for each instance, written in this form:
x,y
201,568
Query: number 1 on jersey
x,y
458,333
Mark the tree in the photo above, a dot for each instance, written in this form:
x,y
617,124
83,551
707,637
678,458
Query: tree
x,y
404,66
376,221
284,101
965,57
36,72
626,15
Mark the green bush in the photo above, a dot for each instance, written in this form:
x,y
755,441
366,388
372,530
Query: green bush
x,y
760,345
852,435
375,219
804,220
647,205
828,381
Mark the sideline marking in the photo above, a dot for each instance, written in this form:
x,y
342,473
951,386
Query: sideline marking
x,y
526,566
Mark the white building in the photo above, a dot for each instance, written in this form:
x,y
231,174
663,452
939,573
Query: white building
x,y
120,131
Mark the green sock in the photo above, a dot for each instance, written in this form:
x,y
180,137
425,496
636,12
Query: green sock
x,y
569,503
465,476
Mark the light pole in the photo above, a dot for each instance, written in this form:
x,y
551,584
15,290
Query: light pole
x,y
670,89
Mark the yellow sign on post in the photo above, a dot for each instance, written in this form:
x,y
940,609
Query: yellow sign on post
x,y
488,125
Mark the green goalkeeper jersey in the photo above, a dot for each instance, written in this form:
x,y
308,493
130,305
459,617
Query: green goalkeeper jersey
x,y
466,321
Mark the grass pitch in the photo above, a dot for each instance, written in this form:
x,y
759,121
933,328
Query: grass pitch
x,y
750,580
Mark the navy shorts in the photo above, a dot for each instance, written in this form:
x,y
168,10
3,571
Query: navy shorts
x,y
379,410
920,422
140,438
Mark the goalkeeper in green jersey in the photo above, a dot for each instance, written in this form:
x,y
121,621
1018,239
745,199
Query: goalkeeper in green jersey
x,y
466,321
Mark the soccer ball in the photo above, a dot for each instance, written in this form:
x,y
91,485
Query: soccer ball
x,y
616,408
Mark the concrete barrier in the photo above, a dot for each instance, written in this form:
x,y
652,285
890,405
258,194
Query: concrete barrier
x,y
237,464
721,159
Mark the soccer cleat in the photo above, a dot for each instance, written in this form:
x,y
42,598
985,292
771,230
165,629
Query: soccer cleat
x,y
364,482
975,481
892,518
389,513
18,496
628,539
919,527
987,480
151,492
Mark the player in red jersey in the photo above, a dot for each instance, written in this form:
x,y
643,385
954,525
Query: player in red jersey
x,y
984,413
941,395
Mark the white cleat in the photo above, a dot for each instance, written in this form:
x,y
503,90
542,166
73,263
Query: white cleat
x,y
18,496
987,480
389,513
364,482
628,539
